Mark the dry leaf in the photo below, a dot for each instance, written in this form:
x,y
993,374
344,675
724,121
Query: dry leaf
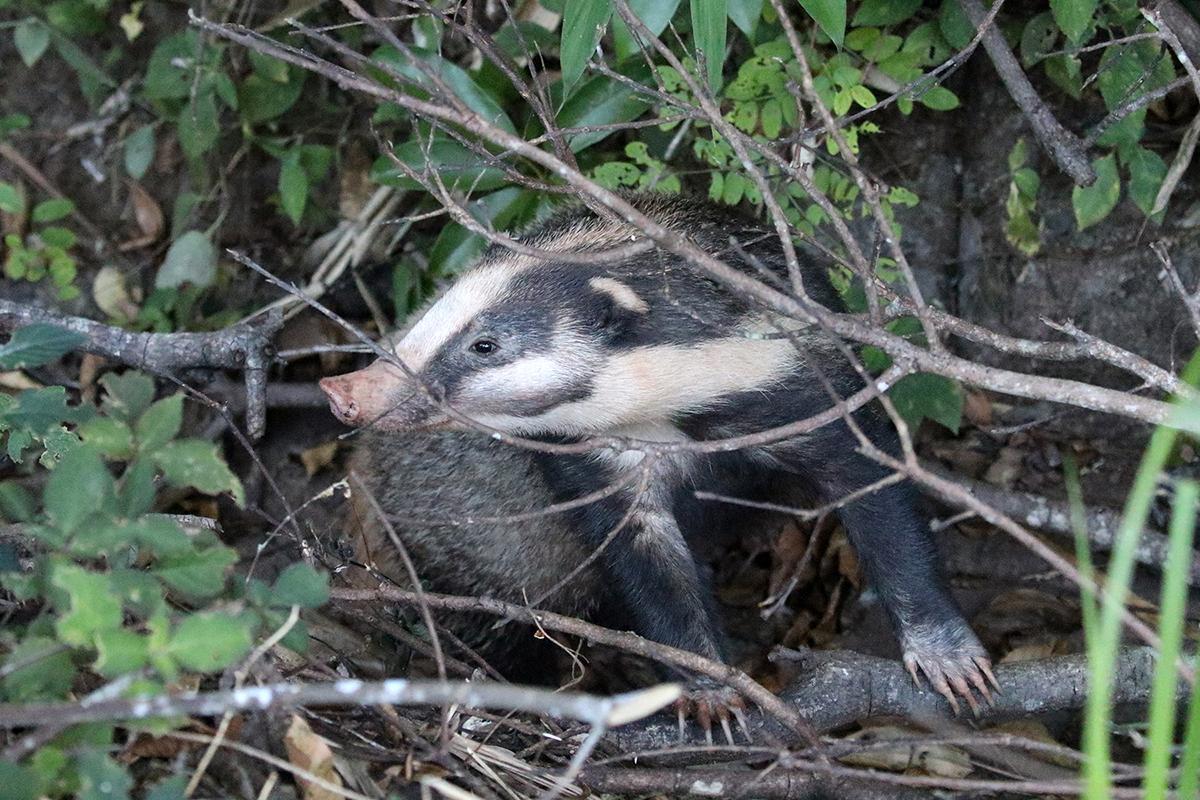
x,y
311,752
1005,470
18,381
111,294
317,458
355,187
1037,732
978,409
149,218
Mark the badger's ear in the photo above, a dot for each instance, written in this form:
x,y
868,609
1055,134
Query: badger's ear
x,y
616,306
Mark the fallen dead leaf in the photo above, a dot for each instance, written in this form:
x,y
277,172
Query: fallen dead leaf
x,y
149,216
977,408
940,760
355,187
311,752
112,296
1035,731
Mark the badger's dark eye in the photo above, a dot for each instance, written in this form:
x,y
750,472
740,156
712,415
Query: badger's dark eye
x,y
484,347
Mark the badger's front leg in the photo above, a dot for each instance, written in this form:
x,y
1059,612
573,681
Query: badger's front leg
x,y
660,587
897,551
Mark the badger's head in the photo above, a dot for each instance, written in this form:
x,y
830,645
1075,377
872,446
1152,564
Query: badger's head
x,y
534,347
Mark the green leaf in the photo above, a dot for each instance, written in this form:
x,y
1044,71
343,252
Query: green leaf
x,y
830,15
300,585
1074,17
583,24
1093,203
709,28
101,778
37,344
198,125
208,642
127,395
1067,73
191,259
160,424
746,14
31,38
654,14
139,151
108,436
59,237
137,492
955,26
196,573
52,210
77,17
456,246
939,98
11,199
261,100
603,101
94,607
1147,171
173,788
20,783
924,395
39,668
474,96
119,652
78,488
197,463
293,187
884,12
458,167
171,68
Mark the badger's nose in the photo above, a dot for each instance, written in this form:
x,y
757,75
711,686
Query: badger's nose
x,y
341,401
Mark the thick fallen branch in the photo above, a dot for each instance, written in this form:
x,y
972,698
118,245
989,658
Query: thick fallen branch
x,y
606,711
839,687
246,346
1054,516
1064,147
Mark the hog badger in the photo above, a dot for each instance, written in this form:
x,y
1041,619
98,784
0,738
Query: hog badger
x,y
647,348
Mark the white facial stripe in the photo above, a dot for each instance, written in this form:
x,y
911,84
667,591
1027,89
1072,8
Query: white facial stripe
x,y
473,292
621,294
653,384
524,378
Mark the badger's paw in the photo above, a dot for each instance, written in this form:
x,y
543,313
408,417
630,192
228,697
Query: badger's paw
x,y
955,664
707,702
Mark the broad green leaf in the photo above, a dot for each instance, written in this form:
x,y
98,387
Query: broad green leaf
x,y
709,29
108,436
198,125
293,187
654,14
160,424
127,395
260,100
924,395
190,259
139,151
59,237
31,38
583,24
137,492
458,167
884,12
198,464
1146,173
603,101
101,778
16,502
456,246
746,14
45,670
37,344
94,607
1093,203
955,26
196,573
20,783
40,409
79,487
11,199
52,210
1038,38
208,642
76,17
119,652
464,86
1067,73
173,788
939,98
830,15
1074,17
300,585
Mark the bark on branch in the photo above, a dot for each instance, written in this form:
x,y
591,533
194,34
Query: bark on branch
x,y
246,346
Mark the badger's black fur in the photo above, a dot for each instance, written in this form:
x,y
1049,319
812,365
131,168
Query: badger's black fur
x,y
648,348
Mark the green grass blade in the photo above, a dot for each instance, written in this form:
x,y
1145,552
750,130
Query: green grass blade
x,y
1172,612
1189,765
